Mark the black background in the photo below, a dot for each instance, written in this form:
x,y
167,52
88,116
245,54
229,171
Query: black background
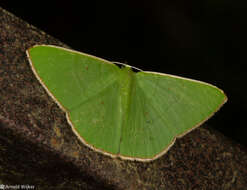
x,y
203,40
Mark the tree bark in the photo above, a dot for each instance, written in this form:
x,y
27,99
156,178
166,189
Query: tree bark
x,y
38,147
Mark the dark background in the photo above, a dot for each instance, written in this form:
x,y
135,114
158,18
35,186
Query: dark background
x,y
203,40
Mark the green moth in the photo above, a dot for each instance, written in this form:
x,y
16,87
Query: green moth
x,y
118,112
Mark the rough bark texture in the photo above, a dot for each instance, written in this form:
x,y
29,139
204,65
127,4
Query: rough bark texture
x,y
38,147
